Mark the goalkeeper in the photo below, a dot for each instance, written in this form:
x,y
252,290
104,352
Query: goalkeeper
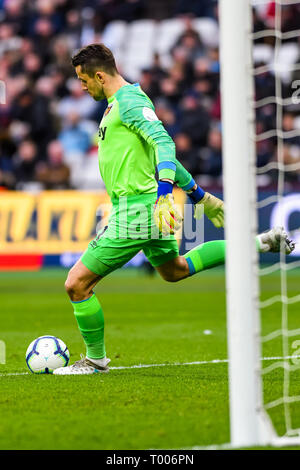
x,y
133,146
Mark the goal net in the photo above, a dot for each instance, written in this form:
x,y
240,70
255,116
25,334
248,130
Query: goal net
x,y
261,148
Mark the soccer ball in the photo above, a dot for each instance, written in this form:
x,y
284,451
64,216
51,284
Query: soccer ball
x,y
45,354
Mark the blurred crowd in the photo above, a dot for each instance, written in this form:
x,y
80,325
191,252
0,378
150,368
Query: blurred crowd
x,y
48,125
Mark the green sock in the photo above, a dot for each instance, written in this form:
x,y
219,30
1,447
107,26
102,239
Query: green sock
x,y
206,256
90,319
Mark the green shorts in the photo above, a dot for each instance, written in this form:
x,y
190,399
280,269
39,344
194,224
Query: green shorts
x,y
105,255
120,241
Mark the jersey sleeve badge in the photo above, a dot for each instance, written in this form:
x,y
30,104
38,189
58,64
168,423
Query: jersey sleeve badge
x,y
149,114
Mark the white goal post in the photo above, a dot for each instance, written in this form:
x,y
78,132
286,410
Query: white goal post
x,y
249,423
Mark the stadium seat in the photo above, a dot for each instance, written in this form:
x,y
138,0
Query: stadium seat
x,y
168,32
263,53
113,36
288,55
208,31
297,122
139,47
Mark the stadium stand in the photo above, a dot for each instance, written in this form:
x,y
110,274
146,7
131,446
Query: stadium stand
x,y
171,48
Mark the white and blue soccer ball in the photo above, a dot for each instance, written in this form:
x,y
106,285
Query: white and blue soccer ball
x,y
45,354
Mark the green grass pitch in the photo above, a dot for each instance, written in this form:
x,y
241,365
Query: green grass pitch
x,y
148,322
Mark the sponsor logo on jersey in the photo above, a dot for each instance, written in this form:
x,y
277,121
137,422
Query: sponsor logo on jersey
x,y
102,132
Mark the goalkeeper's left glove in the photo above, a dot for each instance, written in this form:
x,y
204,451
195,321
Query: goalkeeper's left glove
x,y
167,218
212,206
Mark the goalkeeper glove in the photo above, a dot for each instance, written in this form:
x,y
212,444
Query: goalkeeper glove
x,y
212,206
166,216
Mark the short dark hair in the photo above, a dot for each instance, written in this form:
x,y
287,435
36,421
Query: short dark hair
x,y
93,57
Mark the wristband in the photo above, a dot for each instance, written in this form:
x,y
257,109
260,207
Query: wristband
x,y
164,188
196,195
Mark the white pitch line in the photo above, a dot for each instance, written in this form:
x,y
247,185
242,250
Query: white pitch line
x,y
195,363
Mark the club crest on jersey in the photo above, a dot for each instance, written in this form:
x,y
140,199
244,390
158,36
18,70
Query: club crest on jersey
x,y
108,109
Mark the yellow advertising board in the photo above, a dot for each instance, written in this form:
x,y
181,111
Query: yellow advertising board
x,y
50,222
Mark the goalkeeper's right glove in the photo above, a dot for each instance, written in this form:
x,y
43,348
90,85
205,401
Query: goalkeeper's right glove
x,y
212,206
167,217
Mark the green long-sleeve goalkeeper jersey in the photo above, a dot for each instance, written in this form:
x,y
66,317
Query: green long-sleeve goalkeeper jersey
x,y
133,144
